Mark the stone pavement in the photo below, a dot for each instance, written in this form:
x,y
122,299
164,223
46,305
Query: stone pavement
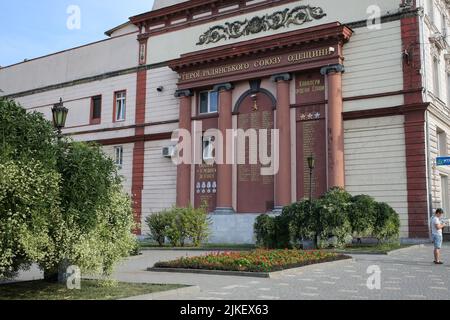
x,y
406,274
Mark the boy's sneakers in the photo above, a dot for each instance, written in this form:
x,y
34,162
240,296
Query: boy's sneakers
x,y
438,262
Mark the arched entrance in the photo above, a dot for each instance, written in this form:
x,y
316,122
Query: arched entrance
x,y
255,192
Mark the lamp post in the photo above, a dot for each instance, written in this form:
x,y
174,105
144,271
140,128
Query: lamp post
x,y
59,113
312,165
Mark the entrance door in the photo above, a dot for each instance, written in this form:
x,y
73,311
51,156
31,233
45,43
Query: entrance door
x,y
255,191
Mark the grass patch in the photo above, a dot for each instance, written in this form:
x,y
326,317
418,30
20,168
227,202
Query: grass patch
x,y
90,290
148,245
253,261
373,248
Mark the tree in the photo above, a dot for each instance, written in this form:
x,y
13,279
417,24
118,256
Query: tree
x,y
61,202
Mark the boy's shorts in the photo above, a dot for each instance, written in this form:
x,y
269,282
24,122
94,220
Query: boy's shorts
x,y
437,240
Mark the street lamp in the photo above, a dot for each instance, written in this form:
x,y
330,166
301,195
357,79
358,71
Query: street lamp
x,y
59,113
312,165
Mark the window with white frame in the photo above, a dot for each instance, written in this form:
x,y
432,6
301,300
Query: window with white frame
x,y
118,156
208,149
436,85
441,142
208,102
121,105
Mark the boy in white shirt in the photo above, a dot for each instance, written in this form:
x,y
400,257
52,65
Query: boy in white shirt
x,y
436,229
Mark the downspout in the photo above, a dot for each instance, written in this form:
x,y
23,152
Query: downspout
x,y
428,160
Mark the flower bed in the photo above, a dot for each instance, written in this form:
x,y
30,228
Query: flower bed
x,y
253,261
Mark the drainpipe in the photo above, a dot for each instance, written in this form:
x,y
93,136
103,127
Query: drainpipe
x,y
428,160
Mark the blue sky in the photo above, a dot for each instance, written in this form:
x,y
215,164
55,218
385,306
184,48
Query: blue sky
x,y
33,28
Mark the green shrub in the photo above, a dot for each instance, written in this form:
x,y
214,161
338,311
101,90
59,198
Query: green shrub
x,y
182,224
176,229
301,226
197,223
333,217
265,231
387,223
362,215
158,224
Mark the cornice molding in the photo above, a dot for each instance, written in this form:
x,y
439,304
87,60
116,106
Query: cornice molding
x,y
279,19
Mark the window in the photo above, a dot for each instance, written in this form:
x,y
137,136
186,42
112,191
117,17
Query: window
x,y
118,156
120,105
96,109
209,101
208,149
436,86
441,142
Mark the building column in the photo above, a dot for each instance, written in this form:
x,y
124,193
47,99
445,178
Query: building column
x,y
137,180
225,169
184,169
336,168
283,184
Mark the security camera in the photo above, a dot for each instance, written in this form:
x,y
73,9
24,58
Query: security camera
x,y
160,89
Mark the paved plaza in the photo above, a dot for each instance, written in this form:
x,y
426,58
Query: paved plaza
x,y
405,274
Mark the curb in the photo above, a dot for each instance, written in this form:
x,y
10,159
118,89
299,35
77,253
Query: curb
x,y
385,253
197,249
417,246
267,275
161,295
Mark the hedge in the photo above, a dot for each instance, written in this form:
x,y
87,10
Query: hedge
x,y
337,216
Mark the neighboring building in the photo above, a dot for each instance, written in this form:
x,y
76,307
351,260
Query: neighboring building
x,y
368,96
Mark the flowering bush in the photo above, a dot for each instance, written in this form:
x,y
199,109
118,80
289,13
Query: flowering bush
x,y
253,261
61,202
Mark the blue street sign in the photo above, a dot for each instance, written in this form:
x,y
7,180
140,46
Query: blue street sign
x,y
443,161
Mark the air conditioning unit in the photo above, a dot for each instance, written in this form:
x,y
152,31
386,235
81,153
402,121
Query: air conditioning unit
x,y
168,152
